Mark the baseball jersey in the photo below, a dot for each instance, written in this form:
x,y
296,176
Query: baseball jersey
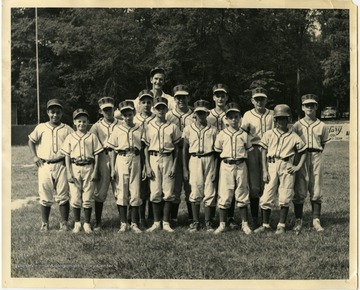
x,y
138,119
162,137
315,135
49,140
200,140
125,138
180,119
281,145
233,145
218,120
256,124
170,99
81,147
103,129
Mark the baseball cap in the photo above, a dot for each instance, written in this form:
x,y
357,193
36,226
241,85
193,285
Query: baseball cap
x,y
181,90
232,107
201,105
259,92
127,104
160,101
157,70
80,111
309,98
54,102
106,102
220,88
144,93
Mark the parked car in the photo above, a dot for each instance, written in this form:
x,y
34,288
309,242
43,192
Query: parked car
x,y
346,115
329,113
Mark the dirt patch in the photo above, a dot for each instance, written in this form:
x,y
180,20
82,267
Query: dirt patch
x,y
19,203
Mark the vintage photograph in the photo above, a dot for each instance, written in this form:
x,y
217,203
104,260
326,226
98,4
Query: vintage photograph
x,y
181,144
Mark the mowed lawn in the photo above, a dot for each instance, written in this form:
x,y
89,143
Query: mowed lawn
x,y
182,255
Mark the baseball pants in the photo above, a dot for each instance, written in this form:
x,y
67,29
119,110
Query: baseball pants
x,y
102,185
53,184
162,186
82,190
201,171
280,181
309,178
127,180
233,179
256,183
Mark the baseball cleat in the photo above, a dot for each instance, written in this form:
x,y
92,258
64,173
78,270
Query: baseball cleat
x,y
123,227
245,228
232,225
280,230
143,224
97,227
317,226
44,228
155,227
77,227
63,227
209,227
167,228
298,226
194,227
87,228
134,228
221,228
262,229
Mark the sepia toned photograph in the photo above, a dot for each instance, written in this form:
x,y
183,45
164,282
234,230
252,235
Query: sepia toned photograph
x,y
167,147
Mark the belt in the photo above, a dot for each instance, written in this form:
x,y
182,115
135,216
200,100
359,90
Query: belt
x,y
52,161
274,158
313,150
237,161
157,153
199,155
80,162
126,152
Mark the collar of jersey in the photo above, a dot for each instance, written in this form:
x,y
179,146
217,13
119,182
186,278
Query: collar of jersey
x,y
178,114
196,128
276,131
306,124
215,114
253,111
77,137
47,124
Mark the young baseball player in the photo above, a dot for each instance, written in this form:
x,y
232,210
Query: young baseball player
x,y
256,122
142,118
157,80
279,147
126,166
81,150
217,118
233,143
102,129
181,116
45,143
161,154
199,138
310,177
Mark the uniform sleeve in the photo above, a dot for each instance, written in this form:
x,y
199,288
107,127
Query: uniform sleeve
x,y
97,145
176,135
186,134
325,135
112,141
218,146
264,142
35,135
66,149
245,123
300,146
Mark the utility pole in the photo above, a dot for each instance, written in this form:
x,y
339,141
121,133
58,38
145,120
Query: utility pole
x,y
37,68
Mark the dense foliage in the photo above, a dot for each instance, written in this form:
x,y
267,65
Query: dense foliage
x,y
88,53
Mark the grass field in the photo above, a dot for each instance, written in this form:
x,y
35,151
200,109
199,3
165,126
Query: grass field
x,y
182,255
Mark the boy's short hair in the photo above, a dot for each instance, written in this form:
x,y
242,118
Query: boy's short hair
x,y
54,103
80,112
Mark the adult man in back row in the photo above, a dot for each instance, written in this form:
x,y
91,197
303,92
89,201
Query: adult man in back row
x,y
157,79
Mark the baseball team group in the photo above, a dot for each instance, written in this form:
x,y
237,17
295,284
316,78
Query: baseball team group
x,y
153,149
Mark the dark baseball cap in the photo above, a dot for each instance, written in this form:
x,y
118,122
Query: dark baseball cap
x,y
160,101
145,93
232,107
54,102
126,105
157,70
220,88
79,112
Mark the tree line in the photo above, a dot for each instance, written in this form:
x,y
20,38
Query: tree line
x,y
87,53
